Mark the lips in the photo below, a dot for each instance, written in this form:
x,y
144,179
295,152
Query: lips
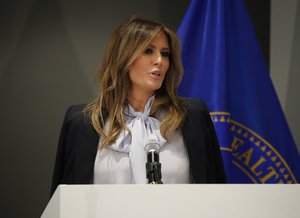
x,y
156,74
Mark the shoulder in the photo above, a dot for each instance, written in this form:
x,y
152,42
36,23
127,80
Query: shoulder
x,y
75,111
197,113
195,104
75,114
196,107
77,123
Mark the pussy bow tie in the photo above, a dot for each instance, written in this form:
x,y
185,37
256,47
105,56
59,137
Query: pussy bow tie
x,y
143,129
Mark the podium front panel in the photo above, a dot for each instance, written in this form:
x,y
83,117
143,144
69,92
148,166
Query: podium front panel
x,y
182,201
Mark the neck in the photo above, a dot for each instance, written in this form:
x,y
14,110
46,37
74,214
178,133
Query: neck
x,y
138,100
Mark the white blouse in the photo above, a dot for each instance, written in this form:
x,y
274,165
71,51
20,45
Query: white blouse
x,y
113,167
124,161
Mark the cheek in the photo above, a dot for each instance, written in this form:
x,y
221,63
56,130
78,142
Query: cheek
x,y
138,66
132,76
167,65
132,71
135,74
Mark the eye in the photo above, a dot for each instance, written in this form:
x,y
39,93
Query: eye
x,y
148,51
165,54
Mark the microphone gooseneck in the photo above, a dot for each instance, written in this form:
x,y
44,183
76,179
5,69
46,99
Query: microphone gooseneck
x,y
153,167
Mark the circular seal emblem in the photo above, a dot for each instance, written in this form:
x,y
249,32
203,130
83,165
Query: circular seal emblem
x,y
247,156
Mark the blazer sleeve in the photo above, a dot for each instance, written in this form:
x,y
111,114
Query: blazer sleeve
x,y
59,161
215,167
202,144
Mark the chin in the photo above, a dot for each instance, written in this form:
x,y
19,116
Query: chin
x,y
155,86
154,89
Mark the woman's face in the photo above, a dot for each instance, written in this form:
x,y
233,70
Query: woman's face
x,y
148,71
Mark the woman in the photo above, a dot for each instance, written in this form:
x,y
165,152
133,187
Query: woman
x,y
103,142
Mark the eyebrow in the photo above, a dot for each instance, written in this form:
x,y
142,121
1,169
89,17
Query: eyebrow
x,y
153,46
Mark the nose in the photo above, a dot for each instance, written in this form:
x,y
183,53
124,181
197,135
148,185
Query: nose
x,y
158,60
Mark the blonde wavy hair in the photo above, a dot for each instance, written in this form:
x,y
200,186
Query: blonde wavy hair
x,y
127,42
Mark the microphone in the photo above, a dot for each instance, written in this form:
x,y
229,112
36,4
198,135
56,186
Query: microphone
x,y
153,167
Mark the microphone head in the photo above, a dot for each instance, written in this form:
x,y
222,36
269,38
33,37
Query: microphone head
x,y
152,146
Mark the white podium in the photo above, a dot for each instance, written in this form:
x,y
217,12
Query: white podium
x,y
174,201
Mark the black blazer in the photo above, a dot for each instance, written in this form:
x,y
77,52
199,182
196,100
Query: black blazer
x,y
78,143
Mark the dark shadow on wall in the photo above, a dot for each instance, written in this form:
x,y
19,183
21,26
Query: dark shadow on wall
x,y
260,15
293,94
41,77
172,12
